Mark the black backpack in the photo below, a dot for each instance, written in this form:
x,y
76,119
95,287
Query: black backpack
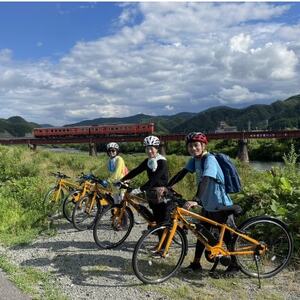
x,y
232,180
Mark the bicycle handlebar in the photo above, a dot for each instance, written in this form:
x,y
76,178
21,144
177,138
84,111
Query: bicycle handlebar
x,y
59,175
94,179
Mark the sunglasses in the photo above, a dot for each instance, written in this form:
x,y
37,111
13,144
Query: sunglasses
x,y
112,150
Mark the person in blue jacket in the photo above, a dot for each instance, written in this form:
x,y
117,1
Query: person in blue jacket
x,y
210,193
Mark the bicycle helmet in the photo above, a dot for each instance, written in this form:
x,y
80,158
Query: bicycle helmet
x,y
196,137
151,140
112,146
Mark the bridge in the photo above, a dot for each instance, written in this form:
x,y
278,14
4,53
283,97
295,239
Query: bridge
x,y
241,136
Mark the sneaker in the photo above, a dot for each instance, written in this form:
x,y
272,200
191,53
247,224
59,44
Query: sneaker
x,y
192,268
231,271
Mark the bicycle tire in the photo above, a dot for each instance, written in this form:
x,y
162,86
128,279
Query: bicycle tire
x,y
51,203
108,232
68,206
151,268
80,218
275,235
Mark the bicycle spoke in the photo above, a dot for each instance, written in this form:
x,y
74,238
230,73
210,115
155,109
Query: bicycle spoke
x,y
111,228
274,236
150,265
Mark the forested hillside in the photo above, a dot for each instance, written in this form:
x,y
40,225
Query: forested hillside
x,y
278,115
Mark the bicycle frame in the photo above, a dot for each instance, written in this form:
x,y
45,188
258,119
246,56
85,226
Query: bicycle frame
x,y
63,184
95,190
134,201
217,250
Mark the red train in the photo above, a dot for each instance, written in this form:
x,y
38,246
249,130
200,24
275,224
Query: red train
x,y
94,130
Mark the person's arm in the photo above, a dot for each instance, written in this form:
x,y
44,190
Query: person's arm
x,y
139,169
162,168
202,186
179,176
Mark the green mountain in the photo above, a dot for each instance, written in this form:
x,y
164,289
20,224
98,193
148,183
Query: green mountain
x,y
163,124
16,127
276,116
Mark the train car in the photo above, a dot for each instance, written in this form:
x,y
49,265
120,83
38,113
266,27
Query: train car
x,y
122,129
95,130
53,132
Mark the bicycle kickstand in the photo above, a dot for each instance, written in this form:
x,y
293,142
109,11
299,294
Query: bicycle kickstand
x,y
258,275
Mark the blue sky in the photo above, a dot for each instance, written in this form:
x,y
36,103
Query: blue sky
x,y
66,62
36,30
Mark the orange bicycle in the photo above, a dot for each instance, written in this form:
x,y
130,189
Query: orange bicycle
x,y
114,224
262,245
62,188
90,203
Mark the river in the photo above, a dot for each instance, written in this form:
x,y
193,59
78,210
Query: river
x,y
265,165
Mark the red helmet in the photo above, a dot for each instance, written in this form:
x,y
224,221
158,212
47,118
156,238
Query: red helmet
x,y
196,137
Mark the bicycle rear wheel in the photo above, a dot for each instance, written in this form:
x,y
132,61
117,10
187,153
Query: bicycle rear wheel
x,y
83,216
109,231
52,201
149,265
274,234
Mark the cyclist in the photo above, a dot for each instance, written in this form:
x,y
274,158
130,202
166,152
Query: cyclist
x,y
210,193
116,168
157,171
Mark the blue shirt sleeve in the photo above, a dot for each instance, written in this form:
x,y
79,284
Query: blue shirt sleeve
x,y
190,165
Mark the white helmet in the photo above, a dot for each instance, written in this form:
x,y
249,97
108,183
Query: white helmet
x,y
112,146
151,140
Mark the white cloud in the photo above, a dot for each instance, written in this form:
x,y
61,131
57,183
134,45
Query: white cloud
x,y
181,57
240,43
239,94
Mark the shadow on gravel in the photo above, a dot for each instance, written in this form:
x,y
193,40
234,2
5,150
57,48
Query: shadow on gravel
x,y
83,268
61,246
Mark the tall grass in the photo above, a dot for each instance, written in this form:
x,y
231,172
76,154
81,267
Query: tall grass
x,y
25,178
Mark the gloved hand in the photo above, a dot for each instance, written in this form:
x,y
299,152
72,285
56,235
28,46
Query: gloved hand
x,y
104,183
118,184
135,191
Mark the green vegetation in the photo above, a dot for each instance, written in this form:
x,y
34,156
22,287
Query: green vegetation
x,y
36,283
24,179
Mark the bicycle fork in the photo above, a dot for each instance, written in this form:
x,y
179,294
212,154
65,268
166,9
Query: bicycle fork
x,y
166,239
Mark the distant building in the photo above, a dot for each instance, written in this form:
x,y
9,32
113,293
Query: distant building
x,y
224,127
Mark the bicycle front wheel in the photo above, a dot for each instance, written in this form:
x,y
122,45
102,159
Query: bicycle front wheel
x,y
275,236
84,215
69,204
149,265
110,230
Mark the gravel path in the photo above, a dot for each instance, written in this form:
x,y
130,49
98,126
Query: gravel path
x,y
83,271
